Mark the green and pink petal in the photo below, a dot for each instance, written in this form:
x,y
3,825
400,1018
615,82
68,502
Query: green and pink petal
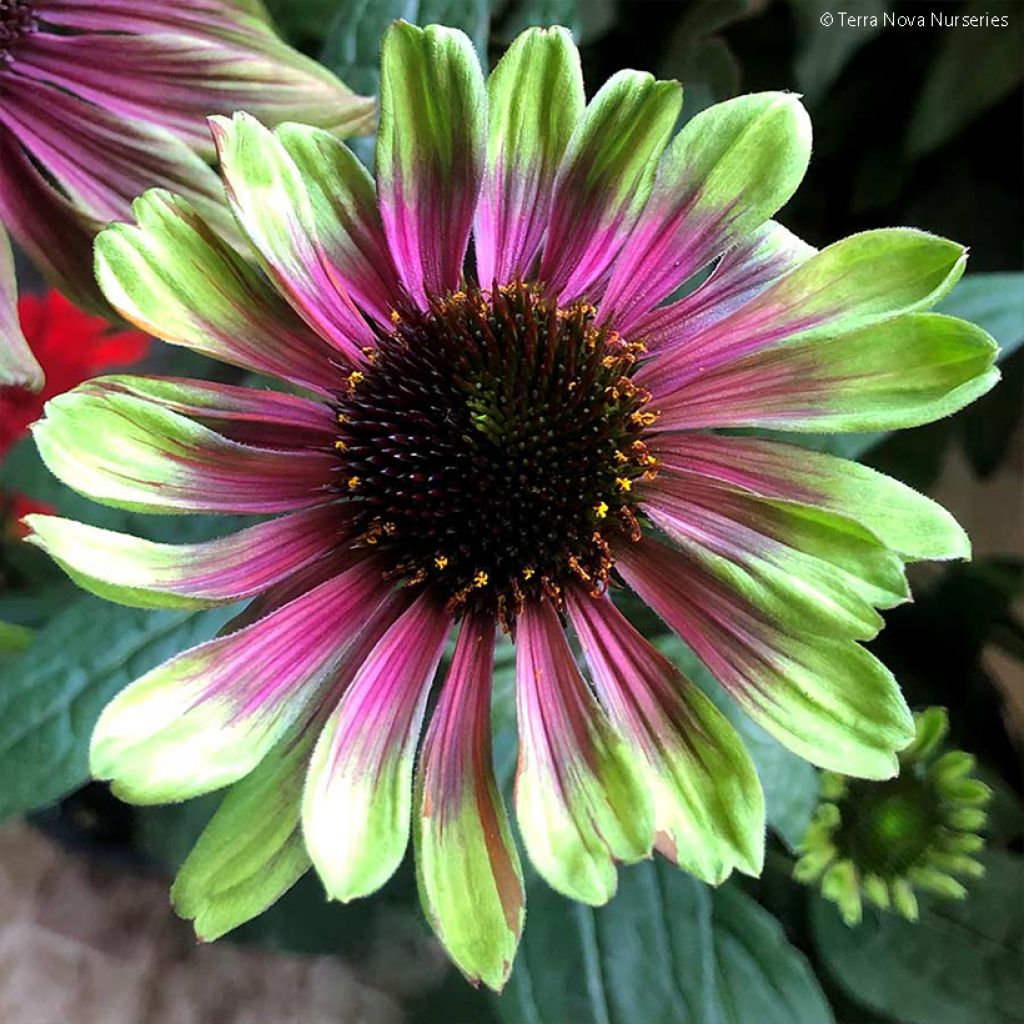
x,y
358,799
470,880
581,802
207,717
827,699
708,804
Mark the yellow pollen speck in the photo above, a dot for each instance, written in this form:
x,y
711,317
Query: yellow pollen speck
x,y
353,482
623,483
621,457
340,445
480,579
396,317
441,561
573,385
644,419
528,573
342,418
601,509
354,378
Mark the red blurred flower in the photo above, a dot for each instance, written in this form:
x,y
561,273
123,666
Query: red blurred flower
x,y
71,347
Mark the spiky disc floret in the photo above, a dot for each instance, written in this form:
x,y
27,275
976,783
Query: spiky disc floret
x,y
492,444
883,840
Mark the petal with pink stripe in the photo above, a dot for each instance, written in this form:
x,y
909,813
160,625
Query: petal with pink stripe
x,y
18,367
581,802
145,574
268,196
102,162
124,451
807,568
252,851
52,231
430,152
908,523
471,883
535,99
604,180
349,236
766,254
250,415
174,278
862,280
730,168
174,77
358,798
902,373
708,804
208,716
827,699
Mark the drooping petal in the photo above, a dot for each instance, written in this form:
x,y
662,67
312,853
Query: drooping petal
x,y
912,525
124,451
54,234
269,198
174,278
809,568
604,180
581,802
251,852
208,716
349,234
430,152
18,367
827,699
146,574
535,99
766,254
862,280
708,804
251,415
358,797
470,880
103,162
730,169
174,72
901,373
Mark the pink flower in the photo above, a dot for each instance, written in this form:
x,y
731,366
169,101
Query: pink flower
x,y
506,440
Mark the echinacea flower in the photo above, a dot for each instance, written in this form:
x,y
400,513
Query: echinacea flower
x,y
71,346
102,99
884,840
506,440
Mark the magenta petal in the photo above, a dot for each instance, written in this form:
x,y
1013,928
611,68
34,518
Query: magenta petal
x,y
55,234
742,273
18,367
271,419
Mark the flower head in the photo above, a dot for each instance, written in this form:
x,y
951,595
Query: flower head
x,y
506,440
101,100
883,840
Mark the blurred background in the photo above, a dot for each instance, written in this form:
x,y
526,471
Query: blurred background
x,y
914,125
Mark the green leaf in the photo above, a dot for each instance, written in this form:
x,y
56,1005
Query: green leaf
x,y
352,47
14,639
48,705
825,47
790,784
975,68
666,950
586,19
960,964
